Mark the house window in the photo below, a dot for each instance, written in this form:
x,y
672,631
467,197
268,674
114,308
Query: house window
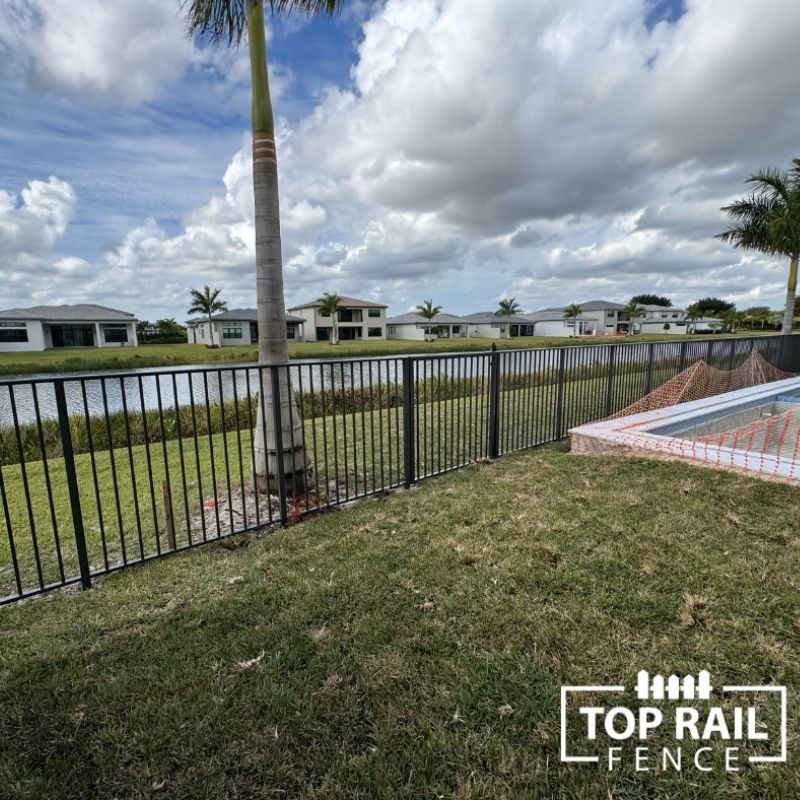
x,y
374,312
675,315
374,331
349,315
291,331
13,332
663,315
610,313
391,330
232,330
115,334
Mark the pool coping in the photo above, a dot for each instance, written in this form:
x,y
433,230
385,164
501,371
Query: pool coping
x,y
644,434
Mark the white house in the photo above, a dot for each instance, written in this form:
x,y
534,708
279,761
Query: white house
x,y
597,318
355,319
84,325
661,319
237,326
487,324
413,326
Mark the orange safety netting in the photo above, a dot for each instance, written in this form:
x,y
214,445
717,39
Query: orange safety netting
x,y
701,380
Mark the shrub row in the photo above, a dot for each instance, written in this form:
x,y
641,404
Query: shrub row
x,y
114,431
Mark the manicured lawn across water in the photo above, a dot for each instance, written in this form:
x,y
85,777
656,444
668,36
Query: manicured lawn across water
x,y
160,355
412,645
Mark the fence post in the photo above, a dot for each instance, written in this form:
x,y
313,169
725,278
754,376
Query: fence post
x,y
682,359
709,351
276,411
494,403
610,384
562,354
651,353
732,356
408,421
72,483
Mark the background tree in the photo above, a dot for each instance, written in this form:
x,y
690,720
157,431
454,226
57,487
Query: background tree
x,y
227,21
207,303
572,312
329,306
652,300
428,311
756,316
631,311
507,308
768,221
713,306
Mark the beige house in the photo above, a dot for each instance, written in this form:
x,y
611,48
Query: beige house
x,y
355,320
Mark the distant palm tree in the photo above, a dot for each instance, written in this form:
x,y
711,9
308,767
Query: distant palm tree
x,y
329,307
573,311
768,221
428,311
207,303
507,308
227,21
693,313
631,311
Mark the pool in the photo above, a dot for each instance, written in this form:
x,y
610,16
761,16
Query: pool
x,y
755,431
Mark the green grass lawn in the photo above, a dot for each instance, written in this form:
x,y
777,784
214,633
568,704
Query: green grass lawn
x,y
412,645
158,355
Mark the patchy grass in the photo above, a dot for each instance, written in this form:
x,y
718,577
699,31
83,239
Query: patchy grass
x,y
412,645
174,355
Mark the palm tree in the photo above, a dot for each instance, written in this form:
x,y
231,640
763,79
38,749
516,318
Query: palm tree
x,y
329,307
507,308
227,21
694,312
428,311
573,311
768,220
207,303
631,311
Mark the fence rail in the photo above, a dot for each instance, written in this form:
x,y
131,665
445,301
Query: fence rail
x,y
101,471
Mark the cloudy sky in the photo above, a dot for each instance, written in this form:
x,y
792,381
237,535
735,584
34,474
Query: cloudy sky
x,y
462,150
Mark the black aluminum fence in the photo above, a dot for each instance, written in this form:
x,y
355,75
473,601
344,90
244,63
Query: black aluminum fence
x,y
101,471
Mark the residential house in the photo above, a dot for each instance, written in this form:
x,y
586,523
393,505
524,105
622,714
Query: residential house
x,y
489,325
237,326
355,319
83,325
413,326
661,319
597,318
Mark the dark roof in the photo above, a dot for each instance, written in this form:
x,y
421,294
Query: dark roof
x,y
344,302
416,319
239,315
490,318
597,305
83,312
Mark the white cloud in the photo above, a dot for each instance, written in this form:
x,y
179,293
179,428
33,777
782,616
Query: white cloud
x,y
123,50
540,149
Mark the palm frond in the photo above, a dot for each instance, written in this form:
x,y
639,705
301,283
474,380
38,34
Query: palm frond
x,y
219,20
226,20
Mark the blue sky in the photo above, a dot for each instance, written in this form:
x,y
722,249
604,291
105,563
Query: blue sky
x,y
428,148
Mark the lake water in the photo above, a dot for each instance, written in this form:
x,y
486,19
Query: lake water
x,y
98,393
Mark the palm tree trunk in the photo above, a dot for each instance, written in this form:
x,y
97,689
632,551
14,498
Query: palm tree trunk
x,y
791,294
334,329
273,347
